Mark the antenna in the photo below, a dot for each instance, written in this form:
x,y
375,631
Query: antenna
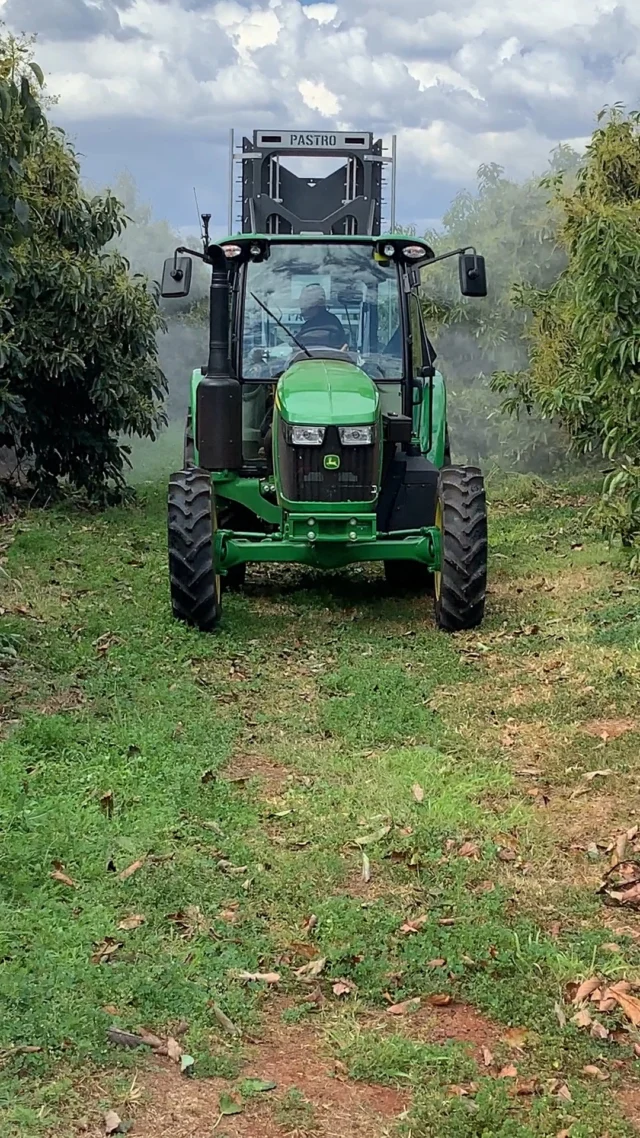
x,y
202,235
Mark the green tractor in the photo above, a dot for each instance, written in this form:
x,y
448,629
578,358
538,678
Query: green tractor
x,y
317,431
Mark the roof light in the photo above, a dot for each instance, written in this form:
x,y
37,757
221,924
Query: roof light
x,y
232,250
414,252
388,250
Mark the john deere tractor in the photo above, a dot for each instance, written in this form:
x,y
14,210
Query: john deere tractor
x,y
317,430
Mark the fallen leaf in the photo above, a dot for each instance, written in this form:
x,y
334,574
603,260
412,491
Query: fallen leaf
x,y
132,922
418,792
257,1086
594,1072
564,1093
598,1030
229,1105
438,962
414,925
629,1004
124,1038
611,947
508,1072
105,950
366,869
590,775
264,977
526,1086
343,988
620,849
487,1057
192,921
469,849
62,878
377,836
636,1050
112,1122
440,1000
224,1021
150,1039
131,869
404,1007
461,1090
516,1037
309,923
582,1018
585,989
445,921
174,1050
311,970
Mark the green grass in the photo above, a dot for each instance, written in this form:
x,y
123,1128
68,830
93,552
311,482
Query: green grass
x,y
119,726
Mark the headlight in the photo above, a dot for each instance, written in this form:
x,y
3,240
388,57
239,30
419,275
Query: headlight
x,y
355,436
307,436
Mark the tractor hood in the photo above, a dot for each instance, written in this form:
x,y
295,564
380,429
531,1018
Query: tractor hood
x,y
327,392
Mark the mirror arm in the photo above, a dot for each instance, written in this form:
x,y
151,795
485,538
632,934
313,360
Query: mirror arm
x,y
453,253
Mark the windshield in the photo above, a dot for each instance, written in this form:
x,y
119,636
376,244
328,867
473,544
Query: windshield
x,y
326,296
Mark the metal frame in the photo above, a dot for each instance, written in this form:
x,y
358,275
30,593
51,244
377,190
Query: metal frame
x,y
265,196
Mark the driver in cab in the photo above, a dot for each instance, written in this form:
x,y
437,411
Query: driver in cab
x,y
321,328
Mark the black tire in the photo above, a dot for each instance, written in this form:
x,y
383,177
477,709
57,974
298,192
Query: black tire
x,y
189,450
461,513
195,586
408,577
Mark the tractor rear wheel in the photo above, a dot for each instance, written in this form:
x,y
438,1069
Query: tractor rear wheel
x,y
194,583
461,517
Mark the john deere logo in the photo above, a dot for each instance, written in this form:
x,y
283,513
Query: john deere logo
x,y
332,461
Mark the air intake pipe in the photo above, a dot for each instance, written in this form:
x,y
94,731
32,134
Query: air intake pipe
x,y
219,394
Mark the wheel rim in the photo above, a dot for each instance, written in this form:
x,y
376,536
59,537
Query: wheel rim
x,y
437,576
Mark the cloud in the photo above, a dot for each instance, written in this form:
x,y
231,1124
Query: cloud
x,y
461,82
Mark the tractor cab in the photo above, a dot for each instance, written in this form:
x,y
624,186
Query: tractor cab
x,y
317,431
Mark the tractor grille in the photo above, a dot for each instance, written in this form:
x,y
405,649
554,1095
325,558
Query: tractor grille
x,y
305,478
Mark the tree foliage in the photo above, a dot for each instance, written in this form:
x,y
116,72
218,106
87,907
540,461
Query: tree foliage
x,y
583,331
78,353
514,226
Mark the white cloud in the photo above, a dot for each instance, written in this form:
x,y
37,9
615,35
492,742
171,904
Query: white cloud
x,y
462,81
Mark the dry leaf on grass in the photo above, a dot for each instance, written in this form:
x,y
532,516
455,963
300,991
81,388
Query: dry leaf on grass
x,y
598,1030
629,1004
469,849
440,1000
516,1037
590,775
585,989
112,1122
131,869
414,925
343,988
594,1072
438,962
132,922
621,883
224,1021
311,970
369,839
263,977
366,869
174,1050
560,1016
106,803
61,877
487,1057
105,950
508,1072
526,1086
418,792
404,1007
606,729
582,1018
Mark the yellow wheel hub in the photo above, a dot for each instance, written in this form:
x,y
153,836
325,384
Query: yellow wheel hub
x,y
437,576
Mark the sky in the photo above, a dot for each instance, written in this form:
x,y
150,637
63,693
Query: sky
x,y
153,86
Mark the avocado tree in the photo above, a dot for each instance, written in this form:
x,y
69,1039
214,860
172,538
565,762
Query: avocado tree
x,y
583,333
79,368
514,225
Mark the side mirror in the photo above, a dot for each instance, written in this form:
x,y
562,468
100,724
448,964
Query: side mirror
x,y
176,277
473,275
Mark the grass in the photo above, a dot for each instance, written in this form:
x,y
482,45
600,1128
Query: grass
x,y
119,726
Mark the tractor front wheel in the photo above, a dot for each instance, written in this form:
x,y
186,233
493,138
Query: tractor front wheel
x,y
461,517
194,583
